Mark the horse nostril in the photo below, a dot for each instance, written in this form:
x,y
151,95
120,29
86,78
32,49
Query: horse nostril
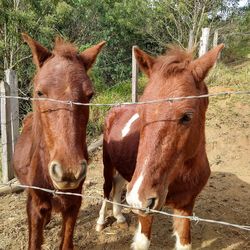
x,y
151,203
56,171
81,173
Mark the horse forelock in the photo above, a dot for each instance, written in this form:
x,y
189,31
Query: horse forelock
x,y
65,49
173,62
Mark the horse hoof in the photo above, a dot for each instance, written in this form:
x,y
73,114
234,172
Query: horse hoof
x,y
99,227
123,225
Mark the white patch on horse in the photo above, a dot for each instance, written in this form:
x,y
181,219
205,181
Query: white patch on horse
x,y
141,242
179,246
133,196
101,218
126,128
118,184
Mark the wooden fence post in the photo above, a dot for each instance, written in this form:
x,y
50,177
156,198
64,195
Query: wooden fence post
x,y
11,80
215,40
215,43
135,70
6,135
191,40
204,41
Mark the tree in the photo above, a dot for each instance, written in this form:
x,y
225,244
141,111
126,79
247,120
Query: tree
x,y
169,21
235,33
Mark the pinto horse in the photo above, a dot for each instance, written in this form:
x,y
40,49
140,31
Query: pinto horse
x,y
51,151
159,148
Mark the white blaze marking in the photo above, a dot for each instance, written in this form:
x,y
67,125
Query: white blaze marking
x,y
178,245
126,128
141,242
133,197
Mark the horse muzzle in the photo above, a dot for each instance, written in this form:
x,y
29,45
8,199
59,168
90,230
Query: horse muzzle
x,y
67,178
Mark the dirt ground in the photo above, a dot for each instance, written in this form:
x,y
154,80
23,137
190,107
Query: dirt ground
x,y
226,196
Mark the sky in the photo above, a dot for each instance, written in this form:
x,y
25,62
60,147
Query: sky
x,y
243,3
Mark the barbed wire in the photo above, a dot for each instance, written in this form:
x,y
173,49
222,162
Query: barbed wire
x,y
146,210
170,99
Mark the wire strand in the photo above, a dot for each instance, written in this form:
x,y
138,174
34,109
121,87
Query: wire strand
x,y
192,218
171,99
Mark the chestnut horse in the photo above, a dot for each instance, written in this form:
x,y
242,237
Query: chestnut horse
x,y
51,151
159,148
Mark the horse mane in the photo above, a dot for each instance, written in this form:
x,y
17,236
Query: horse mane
x,y
175,60
65,49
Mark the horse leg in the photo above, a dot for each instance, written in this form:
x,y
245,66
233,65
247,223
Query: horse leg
x,y
143,233
107,187
118,184
69,221
182,228
102,215
37,212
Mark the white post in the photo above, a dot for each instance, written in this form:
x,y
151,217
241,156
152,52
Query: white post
x,y
6,135
215,40
204,41
191,40
135,70
11,80
215,43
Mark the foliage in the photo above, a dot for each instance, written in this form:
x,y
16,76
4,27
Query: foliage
x,y
150,24
118,93
235,34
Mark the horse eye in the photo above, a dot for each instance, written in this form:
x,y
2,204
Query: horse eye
x,y
186,118
39,93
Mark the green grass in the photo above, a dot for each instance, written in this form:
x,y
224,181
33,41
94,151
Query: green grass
x,y
235,76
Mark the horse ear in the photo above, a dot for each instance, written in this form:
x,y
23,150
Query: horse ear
x,y
89,55
40,54
144,60
201,66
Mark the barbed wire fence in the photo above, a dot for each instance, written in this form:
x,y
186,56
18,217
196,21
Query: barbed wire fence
x,y
118,104
147,210
152,211
157,101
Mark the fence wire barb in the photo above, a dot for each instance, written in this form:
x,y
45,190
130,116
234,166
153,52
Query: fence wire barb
x,y
192,218
171,99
